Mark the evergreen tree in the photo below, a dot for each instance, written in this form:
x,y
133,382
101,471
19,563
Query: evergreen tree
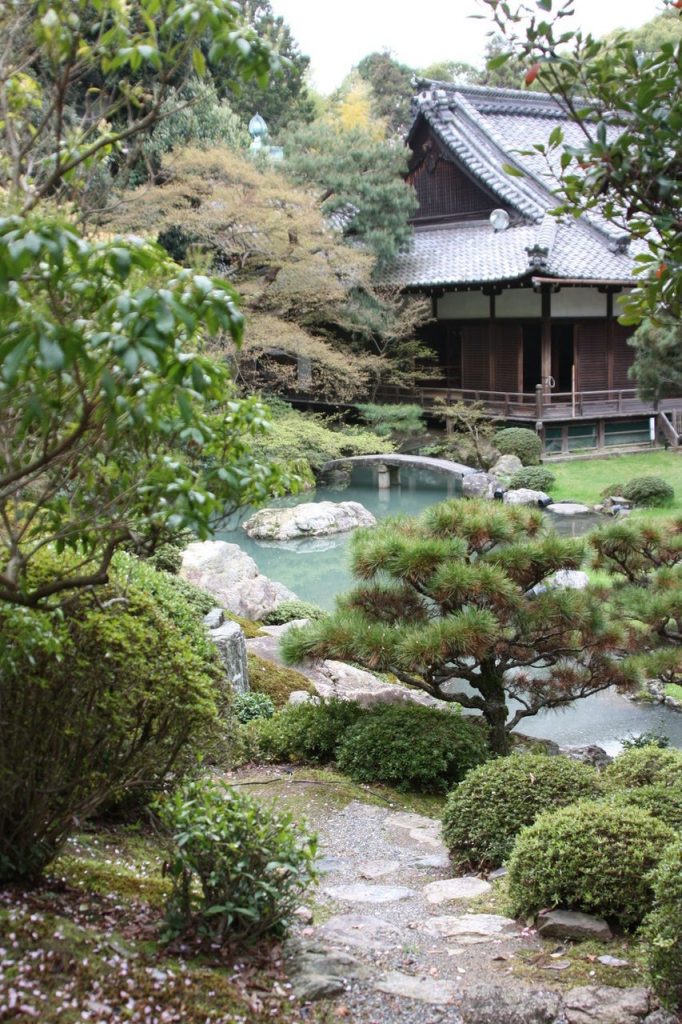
x,y
391,85
459,603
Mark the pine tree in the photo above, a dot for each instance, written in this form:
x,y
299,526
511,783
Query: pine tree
x,y
459,603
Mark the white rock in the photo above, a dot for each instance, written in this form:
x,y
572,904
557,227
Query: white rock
x,y
506,466
567,508
456,889
479,485
570,579
424,989
371,869
526,496
487,926
345,682
363,892
232,578
313,519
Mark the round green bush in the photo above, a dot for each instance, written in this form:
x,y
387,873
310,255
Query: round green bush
x,y
238,867
662,929
536,477
308,732
649,492
249,706
645,766
411,747
288,611
591,856
519,441
100,702
660,801
484,814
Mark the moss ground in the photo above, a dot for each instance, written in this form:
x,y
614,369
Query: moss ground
x,y
585,480
85,945
275,680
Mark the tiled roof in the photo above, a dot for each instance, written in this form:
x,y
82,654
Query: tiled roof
x,y
484,129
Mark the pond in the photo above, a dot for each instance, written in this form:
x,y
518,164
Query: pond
x,y
317,569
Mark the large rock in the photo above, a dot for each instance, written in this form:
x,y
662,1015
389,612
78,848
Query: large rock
x,y
314,519
485,1003
479,485
569,924
590,754
232,578
345,682
527,496
601,1004
231,643
506,466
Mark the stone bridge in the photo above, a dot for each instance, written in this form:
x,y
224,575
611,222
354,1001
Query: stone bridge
x,y
389,466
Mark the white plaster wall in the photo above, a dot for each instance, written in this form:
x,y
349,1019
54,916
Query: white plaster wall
x,y
578,302
464,306
515,302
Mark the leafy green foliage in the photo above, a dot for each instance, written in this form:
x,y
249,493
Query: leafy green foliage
x,y
645,739
663,928
238,867
87,718
309,733
399,422
130,56
649,491
470,434
248,706
657,367
520,441
293,435
411,747
287,611
536,477
486,812
115,431
645,766
590,856
662,800
447,597
391,90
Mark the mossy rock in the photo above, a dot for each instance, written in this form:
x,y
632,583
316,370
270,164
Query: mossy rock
x,y
275,681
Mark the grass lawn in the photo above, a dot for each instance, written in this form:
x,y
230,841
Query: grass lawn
x,y
585,480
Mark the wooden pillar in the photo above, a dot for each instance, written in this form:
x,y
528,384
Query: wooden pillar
x,y
546,342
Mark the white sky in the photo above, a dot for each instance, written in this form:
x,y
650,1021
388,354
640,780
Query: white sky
x,y
418,32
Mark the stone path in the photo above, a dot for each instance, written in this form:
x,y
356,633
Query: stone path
x,y
396,940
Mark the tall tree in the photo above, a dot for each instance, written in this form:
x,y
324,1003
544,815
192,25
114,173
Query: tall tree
x,y
360,183
391,85
285,99
460,604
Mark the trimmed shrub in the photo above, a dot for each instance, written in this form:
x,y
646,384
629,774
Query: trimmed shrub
x,y
520,441
590,856
663,928
660,801
411,747
99,703
536,477
645,766
306,733
252,863
249,706
275,681
649,492
485,813
288,611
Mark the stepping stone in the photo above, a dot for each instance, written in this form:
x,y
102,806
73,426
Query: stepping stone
x,y
571,924
362,892
484,926
377,868
456,889
407,820
429,837
433,860
568,508
425,989
325,865
361,931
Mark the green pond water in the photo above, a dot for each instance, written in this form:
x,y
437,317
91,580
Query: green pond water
x,y
317,569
